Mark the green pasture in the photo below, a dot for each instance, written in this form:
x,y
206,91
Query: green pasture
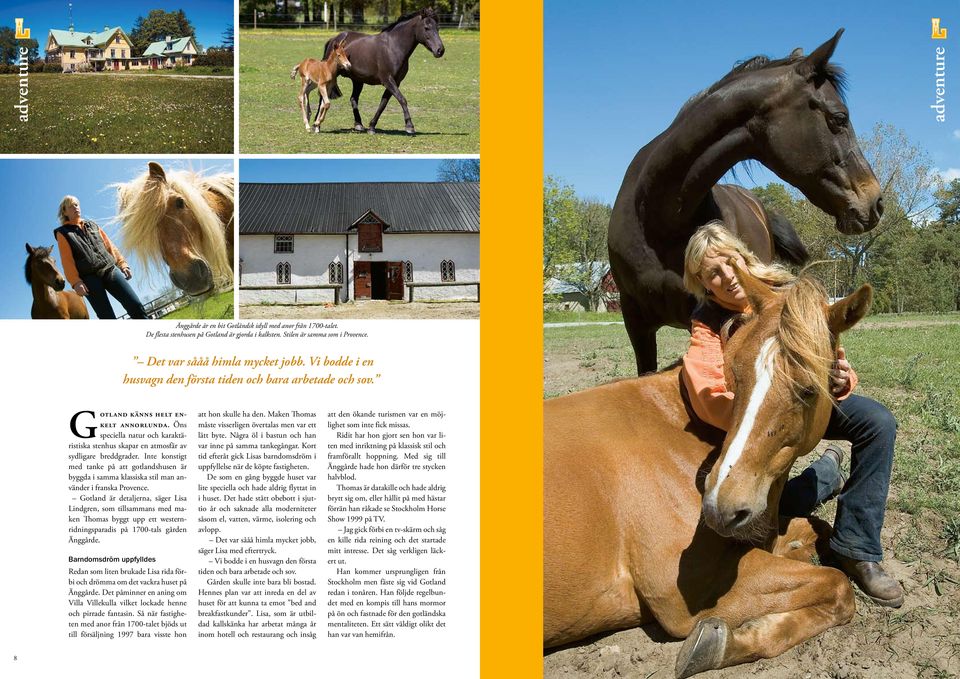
x,y
118,113
910,363
443,96
214,307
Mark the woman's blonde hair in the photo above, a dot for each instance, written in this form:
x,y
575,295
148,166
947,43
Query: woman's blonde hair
x,y
62,214
714,236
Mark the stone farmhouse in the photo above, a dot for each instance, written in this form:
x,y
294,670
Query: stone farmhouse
x,y
359,240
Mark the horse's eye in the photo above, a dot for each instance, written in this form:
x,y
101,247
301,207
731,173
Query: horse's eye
x,y
180,203
806,394
838,121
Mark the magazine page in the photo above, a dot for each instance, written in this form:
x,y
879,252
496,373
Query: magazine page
x,y
277,469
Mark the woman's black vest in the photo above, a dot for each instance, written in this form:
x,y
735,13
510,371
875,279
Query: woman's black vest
x,y
712,315
89,252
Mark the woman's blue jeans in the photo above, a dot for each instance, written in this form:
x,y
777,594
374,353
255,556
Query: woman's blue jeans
x,y
116,284
871,429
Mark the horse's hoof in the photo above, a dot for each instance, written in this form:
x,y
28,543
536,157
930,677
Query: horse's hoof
x,y
359,128
411,131
704,648
371,130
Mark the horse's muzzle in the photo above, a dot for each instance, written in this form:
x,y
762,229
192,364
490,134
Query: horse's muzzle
x,y
197,279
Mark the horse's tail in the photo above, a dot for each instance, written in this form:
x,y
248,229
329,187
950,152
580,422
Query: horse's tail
x,y
293,73
786,243
333,90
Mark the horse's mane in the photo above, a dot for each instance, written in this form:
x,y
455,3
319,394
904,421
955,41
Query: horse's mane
x,y
38,252
426,12
831,72
804,337
142,202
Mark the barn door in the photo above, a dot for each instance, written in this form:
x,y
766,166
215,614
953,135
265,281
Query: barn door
x,y
362,280
394,280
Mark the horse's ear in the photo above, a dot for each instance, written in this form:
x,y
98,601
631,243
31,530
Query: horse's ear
x,y
818,59
847,312
796,53
156,171
29,249
758,293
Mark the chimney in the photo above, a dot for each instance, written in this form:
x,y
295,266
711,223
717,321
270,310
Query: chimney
x,y
106,28
169,38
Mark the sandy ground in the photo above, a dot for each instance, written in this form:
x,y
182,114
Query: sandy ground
x,y
372,309
921,639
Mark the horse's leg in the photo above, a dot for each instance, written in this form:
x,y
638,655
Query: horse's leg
x,y
310,89
803,538
773,605
394,89
643,335
376,116
304,103
324,105
355,104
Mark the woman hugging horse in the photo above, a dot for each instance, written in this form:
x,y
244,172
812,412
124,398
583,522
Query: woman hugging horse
x,y
710,276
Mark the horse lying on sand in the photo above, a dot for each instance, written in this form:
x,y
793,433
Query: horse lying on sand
x,y
322,76
183,220
50,300
383,59
650,514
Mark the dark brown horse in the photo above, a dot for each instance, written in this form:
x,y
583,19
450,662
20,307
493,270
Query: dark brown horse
x,y
650,514
790,115
383,59
50,300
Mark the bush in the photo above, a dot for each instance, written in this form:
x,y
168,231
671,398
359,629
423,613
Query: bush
x,y
215,58
53,67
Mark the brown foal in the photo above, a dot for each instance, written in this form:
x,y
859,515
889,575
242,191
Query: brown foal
x,y
320,75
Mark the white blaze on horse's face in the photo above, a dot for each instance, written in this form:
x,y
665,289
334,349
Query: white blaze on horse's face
x,y
763,378
771,426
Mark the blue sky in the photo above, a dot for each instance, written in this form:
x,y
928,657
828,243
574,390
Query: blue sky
x,y
616,74
339,170
210,18
31,191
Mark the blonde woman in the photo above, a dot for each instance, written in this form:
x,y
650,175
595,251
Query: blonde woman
x,y
92,264
868,425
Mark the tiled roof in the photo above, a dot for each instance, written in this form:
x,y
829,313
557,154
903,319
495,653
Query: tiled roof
x,y
159,48
76,38
408,207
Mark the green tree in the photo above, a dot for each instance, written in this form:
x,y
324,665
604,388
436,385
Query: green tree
x,y
907,181
459,170
559,216
8,45
574,239
157,25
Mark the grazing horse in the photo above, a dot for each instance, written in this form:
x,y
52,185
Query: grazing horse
x,y
383,59
50,300
649,514
320,75
790,115
181,219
